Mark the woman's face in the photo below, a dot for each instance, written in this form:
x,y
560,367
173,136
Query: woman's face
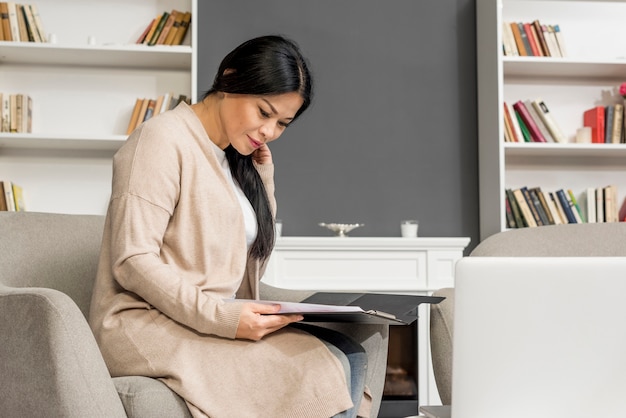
x,y
250,121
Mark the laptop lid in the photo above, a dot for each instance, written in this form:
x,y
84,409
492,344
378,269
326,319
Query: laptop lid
x,y
539,337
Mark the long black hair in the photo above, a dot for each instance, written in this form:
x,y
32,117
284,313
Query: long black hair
x,y
266,65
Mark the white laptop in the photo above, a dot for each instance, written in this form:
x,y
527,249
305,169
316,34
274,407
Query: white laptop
x,y
539,337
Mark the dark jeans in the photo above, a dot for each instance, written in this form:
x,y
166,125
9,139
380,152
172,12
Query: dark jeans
x,y
356,369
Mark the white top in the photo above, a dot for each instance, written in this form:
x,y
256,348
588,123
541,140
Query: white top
x,y
249,216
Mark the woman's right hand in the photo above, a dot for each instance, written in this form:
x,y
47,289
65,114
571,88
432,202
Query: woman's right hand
x,y
255,323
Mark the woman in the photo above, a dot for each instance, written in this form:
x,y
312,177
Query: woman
x,y
190,227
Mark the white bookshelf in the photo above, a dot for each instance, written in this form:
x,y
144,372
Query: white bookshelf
x,y
83,96
589,76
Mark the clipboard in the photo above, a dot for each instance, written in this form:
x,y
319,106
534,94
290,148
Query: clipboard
x,y
371,308
375,308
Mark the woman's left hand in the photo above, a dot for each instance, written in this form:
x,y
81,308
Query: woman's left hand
x,y
262,155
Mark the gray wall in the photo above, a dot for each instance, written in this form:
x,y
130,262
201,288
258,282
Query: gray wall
x,y
392,132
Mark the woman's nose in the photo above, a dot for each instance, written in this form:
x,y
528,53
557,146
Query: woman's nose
x,y
267,131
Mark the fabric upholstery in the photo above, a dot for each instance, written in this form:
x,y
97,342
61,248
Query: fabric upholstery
x,y
50,364
569,240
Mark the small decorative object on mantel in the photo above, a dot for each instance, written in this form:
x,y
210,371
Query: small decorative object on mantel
x,y
340,230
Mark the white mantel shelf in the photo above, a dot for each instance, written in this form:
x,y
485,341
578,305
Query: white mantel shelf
x,y
372,264
384,264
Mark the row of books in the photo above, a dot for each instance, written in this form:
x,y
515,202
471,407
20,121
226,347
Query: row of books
x,y
530,121
11,197
21,23
144,108
532,39
168,28
16,113
607,123
531,207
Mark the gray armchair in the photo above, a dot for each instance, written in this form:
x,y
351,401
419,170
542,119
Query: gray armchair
x,y
571,240
50,364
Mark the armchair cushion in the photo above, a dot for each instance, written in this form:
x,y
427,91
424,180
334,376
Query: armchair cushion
x,y
144,396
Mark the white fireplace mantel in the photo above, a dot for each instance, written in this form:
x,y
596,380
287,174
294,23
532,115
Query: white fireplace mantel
x,y
374,264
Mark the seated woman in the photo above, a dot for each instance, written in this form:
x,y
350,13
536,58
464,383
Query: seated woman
x,y
190,225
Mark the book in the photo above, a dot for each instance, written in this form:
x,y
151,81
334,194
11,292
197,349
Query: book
x,y
182,30
15,30
142,112
517,215
6,25
550,41
560,40
158,105
514,122
536,191
169,23
8,195
577,210
538,121
134,116
535,207
541,38
3,202
149,109
565,206
155,23
556,216
13,112
523,128
588,202
559,207
6,113
167,97
618,120
535,133
609,112
38,23
548,120
517,36
594,118
534,45
21,23
573,207
33,33
178,19
508,135
599,204
159,28
610,204
525,39
508,211
508,41
18,198
529,219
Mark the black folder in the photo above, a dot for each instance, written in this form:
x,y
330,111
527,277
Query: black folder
x,y
377,308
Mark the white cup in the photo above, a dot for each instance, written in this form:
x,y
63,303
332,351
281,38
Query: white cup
x,y
409,228
52,38
91,40
279,227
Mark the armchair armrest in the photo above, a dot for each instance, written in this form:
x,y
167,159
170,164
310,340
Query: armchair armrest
x,y
51,365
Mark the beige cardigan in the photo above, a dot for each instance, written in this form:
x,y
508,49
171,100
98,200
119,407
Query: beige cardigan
x,y
173,248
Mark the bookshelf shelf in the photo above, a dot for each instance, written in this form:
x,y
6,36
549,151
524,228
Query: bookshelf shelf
x,y
61,141
565,150
121,56
84,87
588,76
542,67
